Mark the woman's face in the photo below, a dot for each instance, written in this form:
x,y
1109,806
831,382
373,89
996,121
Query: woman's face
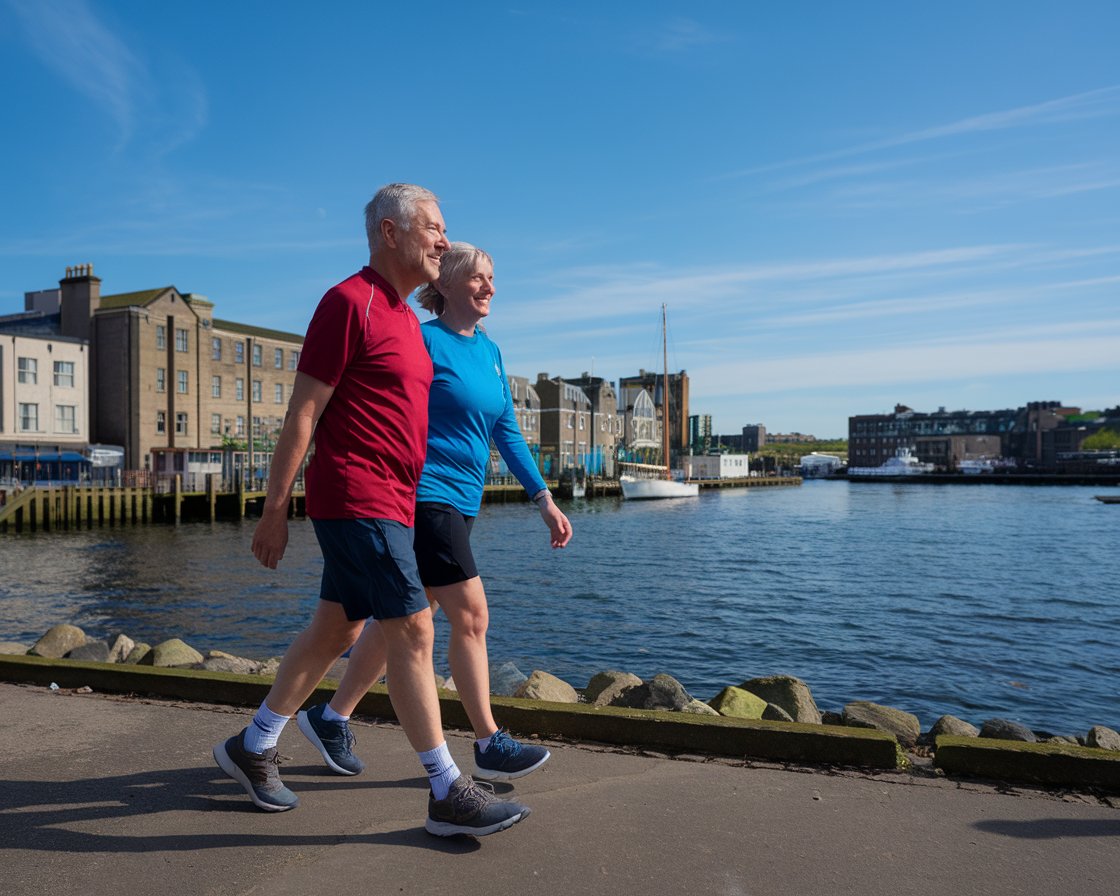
x,y
469,295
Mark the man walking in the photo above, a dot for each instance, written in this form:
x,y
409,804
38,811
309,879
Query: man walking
x,y
362,390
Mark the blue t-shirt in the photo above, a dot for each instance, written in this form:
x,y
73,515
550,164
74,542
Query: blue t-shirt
x,y
469,405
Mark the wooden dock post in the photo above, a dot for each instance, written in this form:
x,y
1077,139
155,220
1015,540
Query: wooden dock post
x,y
212,495
177,498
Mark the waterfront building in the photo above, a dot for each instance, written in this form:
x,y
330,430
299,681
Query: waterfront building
x,y
753,438
715,466
700,433
606,424
166,377
641,430
1030,435
566,417
44,403
648,381
527,411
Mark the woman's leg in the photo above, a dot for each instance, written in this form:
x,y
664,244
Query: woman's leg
x,y
465,606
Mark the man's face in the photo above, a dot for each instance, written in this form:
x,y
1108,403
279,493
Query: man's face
x,y
421,246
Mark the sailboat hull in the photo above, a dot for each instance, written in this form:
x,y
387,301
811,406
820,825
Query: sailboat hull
x,y
650,489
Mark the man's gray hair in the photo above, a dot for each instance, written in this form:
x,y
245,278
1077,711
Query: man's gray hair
x,y
397,202
456,262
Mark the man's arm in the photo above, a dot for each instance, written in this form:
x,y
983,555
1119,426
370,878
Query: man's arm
x,y
309,399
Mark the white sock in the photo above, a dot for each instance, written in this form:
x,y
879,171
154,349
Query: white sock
x,y
264,731
441,768
484,742
331,716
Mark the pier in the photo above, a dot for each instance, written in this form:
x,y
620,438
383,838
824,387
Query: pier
x,y
70,507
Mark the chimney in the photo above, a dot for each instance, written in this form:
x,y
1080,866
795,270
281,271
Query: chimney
x,y
80,299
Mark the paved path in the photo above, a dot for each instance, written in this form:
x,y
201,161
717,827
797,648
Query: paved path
x,y
105,795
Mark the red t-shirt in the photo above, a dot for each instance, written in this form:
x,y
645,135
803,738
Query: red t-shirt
x,y
370,440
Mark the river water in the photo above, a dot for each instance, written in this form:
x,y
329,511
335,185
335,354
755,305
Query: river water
x,y
980,601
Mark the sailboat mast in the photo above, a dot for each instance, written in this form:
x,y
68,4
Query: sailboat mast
x,y
665,391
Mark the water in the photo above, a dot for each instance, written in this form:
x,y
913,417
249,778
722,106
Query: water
x,y
979,601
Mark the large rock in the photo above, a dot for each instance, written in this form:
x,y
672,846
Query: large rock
x,y
953,726
58,641
119,648
1003,729
138,652
699,707
12,648
605,686
774,713
738,704
173,652
219,661
902,725
787,692
661,692
90,652
542,686
505,679
1102,738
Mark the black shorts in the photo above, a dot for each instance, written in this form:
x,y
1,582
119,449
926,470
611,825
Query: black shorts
x,y
443,545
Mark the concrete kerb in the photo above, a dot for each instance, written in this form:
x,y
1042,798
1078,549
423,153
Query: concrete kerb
x,y
669,731
1047,764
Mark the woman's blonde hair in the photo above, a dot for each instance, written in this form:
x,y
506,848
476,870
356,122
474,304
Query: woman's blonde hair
x,y
453,264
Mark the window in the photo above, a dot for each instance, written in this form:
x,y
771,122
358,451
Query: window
x,y
278,393
293,360
278,358
215,387
181,424
64,374
257,390
258,354
161,380
239,352
582,421
161,421
571,423
28,417
180,340
28,371
65,418
184,379
240,430
216,348
215,423
239,389
161,336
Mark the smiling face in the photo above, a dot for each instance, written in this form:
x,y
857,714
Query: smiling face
x,y
420,246
469,294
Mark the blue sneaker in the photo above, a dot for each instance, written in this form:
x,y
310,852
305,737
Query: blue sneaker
x,y
257,773
506,759
471,808
334,740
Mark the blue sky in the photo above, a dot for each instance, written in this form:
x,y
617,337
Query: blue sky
x,y
844,206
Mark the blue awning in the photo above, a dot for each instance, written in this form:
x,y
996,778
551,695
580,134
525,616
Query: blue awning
x,y
44,457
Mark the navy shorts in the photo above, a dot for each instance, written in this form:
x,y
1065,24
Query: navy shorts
x,y
370,568
443,545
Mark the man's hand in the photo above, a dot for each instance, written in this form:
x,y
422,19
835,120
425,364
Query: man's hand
x,y
270,539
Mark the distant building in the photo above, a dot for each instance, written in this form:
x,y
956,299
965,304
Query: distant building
x,y
716,466
630,386
566,417
1029,435
753,438
700,433
606,423
641,430
789,438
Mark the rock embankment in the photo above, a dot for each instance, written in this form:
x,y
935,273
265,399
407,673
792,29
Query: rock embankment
x,y
773,697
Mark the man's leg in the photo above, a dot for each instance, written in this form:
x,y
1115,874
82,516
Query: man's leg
x,y
250,757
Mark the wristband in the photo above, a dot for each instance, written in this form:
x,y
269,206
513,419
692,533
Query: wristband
x,y
541,496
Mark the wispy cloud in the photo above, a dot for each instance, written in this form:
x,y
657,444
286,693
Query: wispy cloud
x,y
676,35
1099,103
91,58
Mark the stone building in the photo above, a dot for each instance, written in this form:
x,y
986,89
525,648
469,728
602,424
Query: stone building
x,y
566,418
630,386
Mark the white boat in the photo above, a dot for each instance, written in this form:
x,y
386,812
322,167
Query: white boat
x,y
976,466
904,463
643,482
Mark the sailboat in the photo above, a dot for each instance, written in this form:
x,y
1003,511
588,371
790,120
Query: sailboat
x,y
648,481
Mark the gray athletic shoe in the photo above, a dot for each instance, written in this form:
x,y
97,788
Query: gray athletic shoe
x,y
471,808
256,772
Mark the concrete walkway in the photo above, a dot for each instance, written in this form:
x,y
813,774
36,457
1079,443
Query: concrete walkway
x,y
109,795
